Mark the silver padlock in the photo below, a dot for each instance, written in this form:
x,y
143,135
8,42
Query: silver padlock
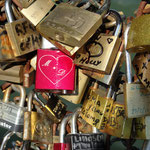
x,y
11,114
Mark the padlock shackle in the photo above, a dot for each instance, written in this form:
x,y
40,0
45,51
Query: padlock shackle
x,y
9,11
62,128
30,100
35,95
17,88
128,57
109,93
74,121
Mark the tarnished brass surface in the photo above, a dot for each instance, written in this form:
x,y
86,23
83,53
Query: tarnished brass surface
x,y
141,64
37,11
137,100
94,108
118,125
37,128
104,49
70,25
139,35
23,37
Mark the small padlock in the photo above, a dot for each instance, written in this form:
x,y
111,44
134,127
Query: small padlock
x,y
55,109
99,54
75,140
141,65
118,124
77,95
135,94
62,132
55,71
12,115
13,74
69,24
37,127
22,35
109,79
28,75
95,106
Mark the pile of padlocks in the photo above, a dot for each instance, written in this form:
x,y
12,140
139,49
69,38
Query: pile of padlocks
x,y
73,50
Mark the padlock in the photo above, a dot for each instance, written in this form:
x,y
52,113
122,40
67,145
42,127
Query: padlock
x,y
55,71
22,35
91,141
109,79
37,10
28,75
118,124
54,109
13,74
141,66
136,96
62,145
70,25
12,115
141,128
37,127
99,54
96,107
77,95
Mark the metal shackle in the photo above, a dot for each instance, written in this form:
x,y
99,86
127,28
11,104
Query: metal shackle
x,y
30,100
62,127
9,11
74,121
128,57
17,88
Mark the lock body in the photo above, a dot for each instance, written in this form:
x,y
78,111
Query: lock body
x,y
141,64
104,49
23,37
70,25
138,36
136,100
55,71
37,128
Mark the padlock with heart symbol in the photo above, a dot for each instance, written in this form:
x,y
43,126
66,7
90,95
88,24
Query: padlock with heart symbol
x,y
55,71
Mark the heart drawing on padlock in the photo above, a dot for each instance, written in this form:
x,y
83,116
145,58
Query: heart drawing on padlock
x,y
55,69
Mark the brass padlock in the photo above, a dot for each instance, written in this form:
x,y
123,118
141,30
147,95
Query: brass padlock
x,y
110,78
99,54
77,95
95,106
135,94
141,65
37,127
70,25
13,74
118,124
22,35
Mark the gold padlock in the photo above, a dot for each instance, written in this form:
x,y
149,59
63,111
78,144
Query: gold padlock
x,y
22,35
141,65
99,54
95,106
135,94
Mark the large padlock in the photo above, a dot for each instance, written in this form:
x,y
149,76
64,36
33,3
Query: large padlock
x,y
99,54
11,114
75,140
69,24
37,127
13,74
141,65
22,35
62,132
136,96
96,107
54,109
55,71
77,95
118,124
109,79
